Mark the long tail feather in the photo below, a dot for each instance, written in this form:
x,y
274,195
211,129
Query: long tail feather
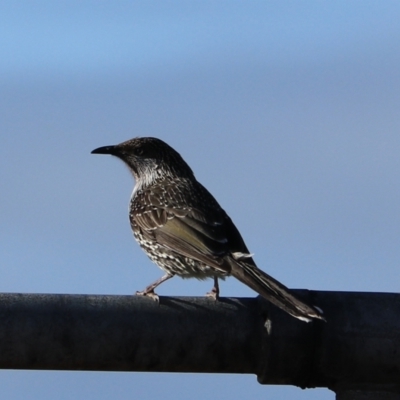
x,y
273,291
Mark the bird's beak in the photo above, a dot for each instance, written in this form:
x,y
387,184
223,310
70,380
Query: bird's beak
x,y
105,150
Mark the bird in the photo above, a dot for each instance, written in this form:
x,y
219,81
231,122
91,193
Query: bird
x,y
184,231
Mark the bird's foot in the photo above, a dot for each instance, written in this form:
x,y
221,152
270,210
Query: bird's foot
x,y
149,293
214,294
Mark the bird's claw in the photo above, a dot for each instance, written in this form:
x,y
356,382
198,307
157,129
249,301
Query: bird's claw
x,y
214,294
149,293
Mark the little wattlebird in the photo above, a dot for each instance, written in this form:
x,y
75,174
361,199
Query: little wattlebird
x,y
184,230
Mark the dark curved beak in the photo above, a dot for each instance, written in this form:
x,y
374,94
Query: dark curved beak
x,y
105,150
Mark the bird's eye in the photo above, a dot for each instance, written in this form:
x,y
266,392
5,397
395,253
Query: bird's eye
x,y
139,151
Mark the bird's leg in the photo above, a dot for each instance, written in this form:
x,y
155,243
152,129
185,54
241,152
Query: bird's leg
x,y
149,291
214,294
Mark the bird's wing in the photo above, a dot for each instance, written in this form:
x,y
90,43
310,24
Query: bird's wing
x,y
194,232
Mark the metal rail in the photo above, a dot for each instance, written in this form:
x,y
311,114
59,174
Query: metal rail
x,y
356,353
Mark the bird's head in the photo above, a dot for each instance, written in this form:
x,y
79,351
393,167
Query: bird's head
x,y
148,159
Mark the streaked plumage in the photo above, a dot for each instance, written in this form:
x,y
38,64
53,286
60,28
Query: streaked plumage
x,y
183,229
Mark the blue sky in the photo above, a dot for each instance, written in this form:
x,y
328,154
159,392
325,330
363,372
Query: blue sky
x,y
286,111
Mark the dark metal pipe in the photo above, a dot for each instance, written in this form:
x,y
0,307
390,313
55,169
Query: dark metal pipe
x,y
129,333
358,348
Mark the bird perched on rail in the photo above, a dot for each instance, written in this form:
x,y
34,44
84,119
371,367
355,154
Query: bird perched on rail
x,y
184,230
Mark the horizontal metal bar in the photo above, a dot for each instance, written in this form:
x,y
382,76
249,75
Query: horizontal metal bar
x,y
357,348
128,333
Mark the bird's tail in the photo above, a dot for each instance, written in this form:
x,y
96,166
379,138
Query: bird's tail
x,y
247,272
